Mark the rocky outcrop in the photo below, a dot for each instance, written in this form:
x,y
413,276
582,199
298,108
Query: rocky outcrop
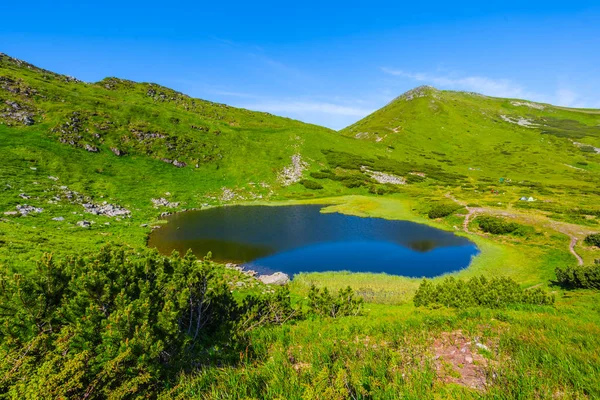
x,y
293,173
278,278
117,152
519,121
382,177
17,113
162,202
25,209
107,210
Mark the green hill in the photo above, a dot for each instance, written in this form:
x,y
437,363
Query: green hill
x,y
490,138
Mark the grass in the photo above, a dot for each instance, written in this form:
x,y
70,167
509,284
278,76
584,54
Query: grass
x,y
445,144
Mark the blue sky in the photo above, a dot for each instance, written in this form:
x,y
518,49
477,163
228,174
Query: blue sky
x,y
329,63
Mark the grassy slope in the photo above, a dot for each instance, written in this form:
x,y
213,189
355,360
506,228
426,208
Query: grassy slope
x,y
466,134
239,150
539,352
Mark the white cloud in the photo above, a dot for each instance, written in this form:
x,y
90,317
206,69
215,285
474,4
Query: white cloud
x,y
567,98
303,107
479,84
329,114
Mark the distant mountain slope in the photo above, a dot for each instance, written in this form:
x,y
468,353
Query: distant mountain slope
x,y
486,137
139,118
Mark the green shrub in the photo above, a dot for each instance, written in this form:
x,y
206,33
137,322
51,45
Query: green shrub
x,y
312,185
322,303
414,178
497,226
593,239
579,277
270,308
121,323
321,175
478,291
378,190
443,210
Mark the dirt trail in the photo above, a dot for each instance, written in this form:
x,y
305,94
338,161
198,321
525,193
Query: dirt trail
x,y
572,250
562,227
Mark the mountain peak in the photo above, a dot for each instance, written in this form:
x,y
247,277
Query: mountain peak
x,y
419,91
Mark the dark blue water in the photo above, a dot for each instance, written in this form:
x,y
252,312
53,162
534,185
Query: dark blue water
x,y
295,239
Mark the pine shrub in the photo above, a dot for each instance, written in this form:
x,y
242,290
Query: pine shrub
x,y
478,291
579,277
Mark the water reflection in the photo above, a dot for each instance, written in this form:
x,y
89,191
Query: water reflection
x,y
294,239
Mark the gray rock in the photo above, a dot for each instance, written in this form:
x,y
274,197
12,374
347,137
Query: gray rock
x,y
278,278
84,224
58,219
109,210
162,202
117,152
11,213
482,346
25,209
91,149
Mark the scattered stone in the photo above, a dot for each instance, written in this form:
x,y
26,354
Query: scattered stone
x,y
179,164
58,219
25,209
583,145
11,213
117,151
108,210
162,202
527,104
143,225
278,278
90,148
418,92
84,224
383,177
18,113
24,196
482,346
293,173
33,168
71,79
519,121
227,194
53,178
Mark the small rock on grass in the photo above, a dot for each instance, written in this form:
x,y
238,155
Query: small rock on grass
x,y
278,278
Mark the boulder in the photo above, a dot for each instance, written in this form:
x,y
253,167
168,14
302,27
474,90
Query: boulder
x,y
84,224
278,278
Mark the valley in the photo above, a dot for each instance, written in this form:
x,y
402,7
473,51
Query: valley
x,y
86,165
